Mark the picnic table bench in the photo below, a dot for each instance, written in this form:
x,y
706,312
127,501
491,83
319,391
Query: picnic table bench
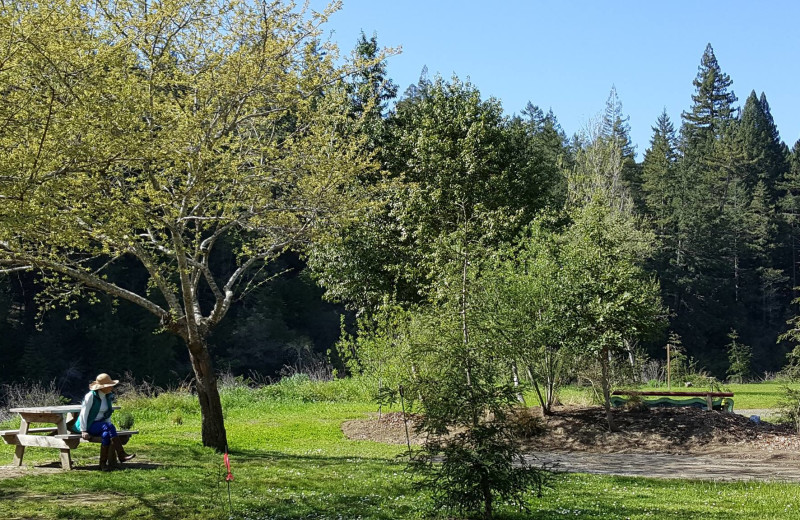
x,y
57,437
726,403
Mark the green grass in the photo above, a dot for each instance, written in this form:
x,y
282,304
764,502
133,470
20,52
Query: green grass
x,y
291,461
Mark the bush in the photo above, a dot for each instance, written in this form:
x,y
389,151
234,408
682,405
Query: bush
x,y
476,469
789,407
124,420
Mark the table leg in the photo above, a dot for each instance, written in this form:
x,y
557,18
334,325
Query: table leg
x,y
19,453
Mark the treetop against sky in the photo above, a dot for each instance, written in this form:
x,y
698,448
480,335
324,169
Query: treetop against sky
x,y
567,55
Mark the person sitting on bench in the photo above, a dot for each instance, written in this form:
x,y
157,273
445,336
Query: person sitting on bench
x,y
94,419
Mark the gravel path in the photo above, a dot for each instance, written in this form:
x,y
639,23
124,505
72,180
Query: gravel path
x,y
670,466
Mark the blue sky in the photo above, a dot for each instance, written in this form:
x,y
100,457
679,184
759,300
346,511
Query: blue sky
x,y
566,55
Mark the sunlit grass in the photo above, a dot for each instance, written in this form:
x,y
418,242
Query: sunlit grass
x,y
291,461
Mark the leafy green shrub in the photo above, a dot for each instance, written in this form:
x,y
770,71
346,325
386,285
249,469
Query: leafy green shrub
x,y
124,419
789,407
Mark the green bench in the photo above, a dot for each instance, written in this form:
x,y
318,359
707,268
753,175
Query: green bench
x,y
708,400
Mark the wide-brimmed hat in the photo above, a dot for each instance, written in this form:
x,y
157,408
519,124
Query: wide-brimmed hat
x,y
103,381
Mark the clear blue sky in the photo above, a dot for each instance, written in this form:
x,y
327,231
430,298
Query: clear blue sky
x,y
566,55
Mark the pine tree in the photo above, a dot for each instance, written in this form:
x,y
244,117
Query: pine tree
x,y
713,102
762,145
789,206
370,90
659,185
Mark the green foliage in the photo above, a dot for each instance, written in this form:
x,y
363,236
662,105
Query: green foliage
x,y
464,470
450,157
222,136
789,407
380,350
739,357
124,419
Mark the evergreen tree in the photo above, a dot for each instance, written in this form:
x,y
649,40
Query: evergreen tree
x,y
371,90
659,183
789,206
713,102
764,151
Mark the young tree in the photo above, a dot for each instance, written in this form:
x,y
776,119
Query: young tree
x,y
739,356
158,132
449,155
612,298
472,459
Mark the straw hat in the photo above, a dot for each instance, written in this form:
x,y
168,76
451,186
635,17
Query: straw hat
x,y
102,381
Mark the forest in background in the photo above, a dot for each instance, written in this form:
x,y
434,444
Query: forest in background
x,y
720,193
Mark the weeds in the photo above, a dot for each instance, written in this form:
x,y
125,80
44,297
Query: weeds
x,y
13,395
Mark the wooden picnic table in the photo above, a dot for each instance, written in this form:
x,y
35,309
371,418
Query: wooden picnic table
x,y
56,436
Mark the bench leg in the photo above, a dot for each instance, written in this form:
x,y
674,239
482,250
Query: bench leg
x,y
18,454
66,459
709,403
20,451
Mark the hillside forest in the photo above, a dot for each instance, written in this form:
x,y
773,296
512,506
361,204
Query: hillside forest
x,y
699,237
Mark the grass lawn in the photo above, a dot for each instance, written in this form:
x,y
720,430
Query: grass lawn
x,y
291,461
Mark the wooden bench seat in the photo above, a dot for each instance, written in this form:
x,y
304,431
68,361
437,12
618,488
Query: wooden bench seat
x,y
125,436
51,430
75,438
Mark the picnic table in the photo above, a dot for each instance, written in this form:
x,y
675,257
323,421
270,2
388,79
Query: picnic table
x,y
56,436
709,396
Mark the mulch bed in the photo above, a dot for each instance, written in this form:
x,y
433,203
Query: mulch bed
x,y
662,430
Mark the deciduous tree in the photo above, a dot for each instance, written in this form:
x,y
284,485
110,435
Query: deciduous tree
x,y
158,131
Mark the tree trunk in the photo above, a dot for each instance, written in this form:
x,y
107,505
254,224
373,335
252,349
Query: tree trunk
x,y
515,376
546,410
606,384
213,423
486,488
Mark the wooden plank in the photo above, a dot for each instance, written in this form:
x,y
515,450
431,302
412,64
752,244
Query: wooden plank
x,y
124,435
62,409
51,429
66,459
43,417
19,453
41,441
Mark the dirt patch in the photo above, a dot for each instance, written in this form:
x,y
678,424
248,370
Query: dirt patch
x,y
685,443
657,430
